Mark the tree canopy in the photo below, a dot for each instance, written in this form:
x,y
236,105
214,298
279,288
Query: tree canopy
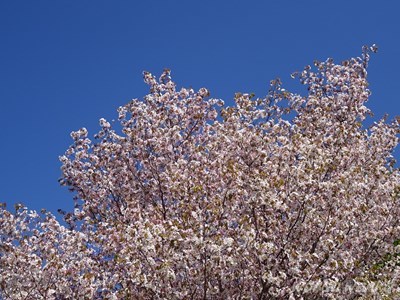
x,y
287,196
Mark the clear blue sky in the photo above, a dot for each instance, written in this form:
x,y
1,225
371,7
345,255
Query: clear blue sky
x,y
65,64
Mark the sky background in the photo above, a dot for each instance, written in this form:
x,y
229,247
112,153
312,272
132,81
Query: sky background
x,y
66,64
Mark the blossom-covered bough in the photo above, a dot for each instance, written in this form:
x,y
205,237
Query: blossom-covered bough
x,y
282,197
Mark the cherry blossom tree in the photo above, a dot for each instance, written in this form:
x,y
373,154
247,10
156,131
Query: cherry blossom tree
x,y
281,197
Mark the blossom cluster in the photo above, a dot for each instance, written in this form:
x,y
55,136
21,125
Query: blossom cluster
x,y
281,197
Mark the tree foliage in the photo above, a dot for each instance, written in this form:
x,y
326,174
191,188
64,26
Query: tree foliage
x,y
281,197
